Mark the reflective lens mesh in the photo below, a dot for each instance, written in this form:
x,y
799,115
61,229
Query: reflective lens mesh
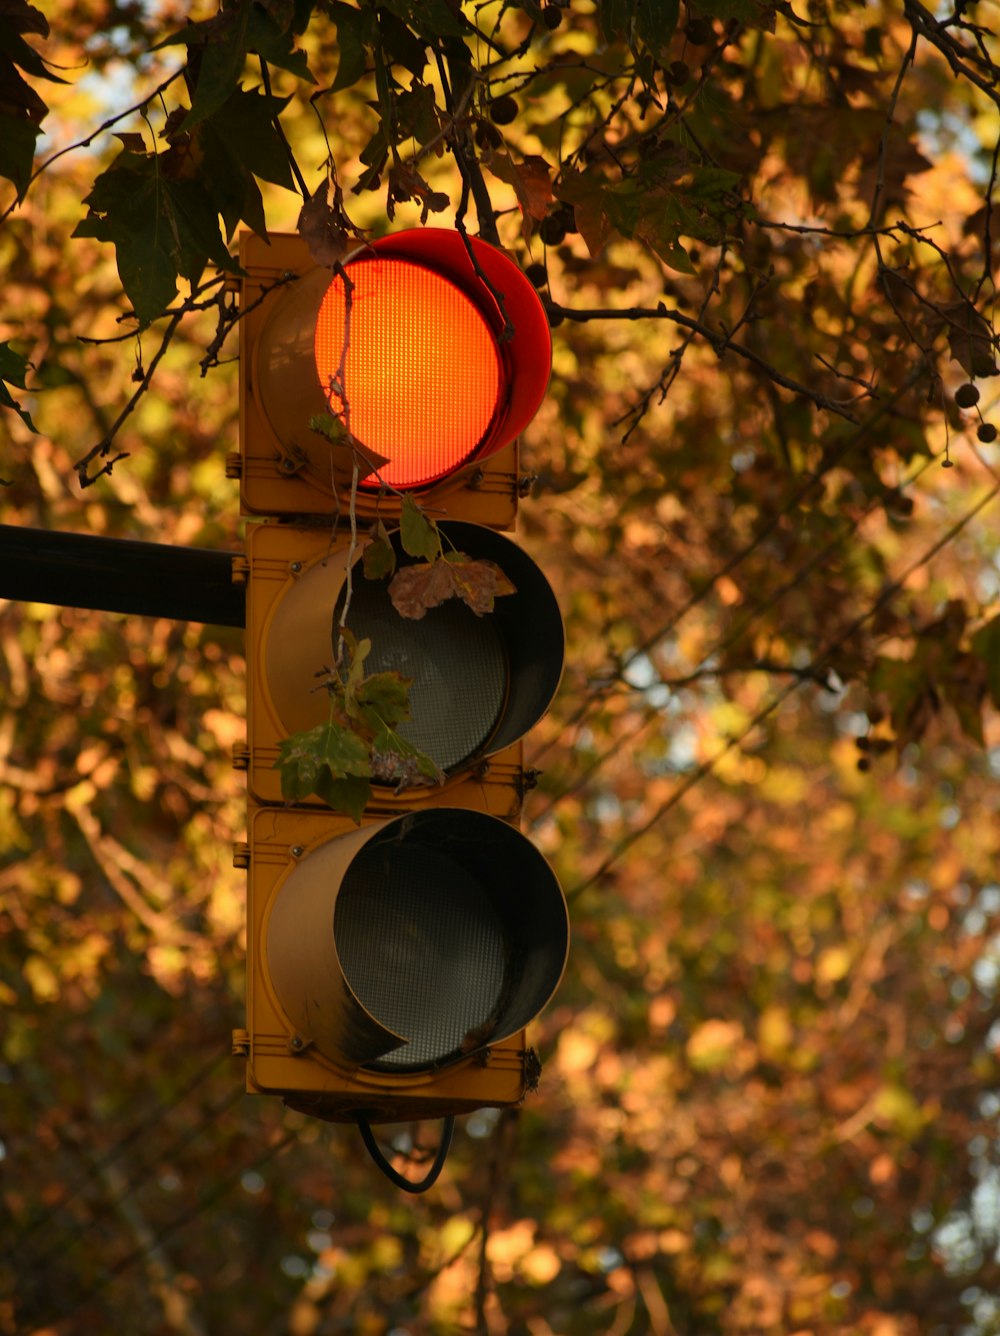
x,y
422,371
455,660
422,948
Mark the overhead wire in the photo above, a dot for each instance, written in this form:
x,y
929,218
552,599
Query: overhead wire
x,y
708,765
205,1202
811,480
62,1245
726,641
139,1128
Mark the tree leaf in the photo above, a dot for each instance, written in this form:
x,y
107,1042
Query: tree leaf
x,y
986,644
417,588
419,535
379,558
245,126
387,697
586,193
970,339
354,36
17,150
478,582
396,761
321,225
276,42
13,371
530,178
309,760
222,53
128,207
350,795
160,228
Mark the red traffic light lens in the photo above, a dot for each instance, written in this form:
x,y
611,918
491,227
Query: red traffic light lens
x,y
410,366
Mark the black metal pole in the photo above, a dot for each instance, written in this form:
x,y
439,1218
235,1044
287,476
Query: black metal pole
x,y
74,570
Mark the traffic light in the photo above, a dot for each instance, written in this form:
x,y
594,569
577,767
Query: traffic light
x,y
449,357
402,931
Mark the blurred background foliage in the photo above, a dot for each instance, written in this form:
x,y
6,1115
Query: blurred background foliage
x,y
768,242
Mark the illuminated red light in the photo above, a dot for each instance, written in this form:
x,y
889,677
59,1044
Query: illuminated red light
x,y
422,378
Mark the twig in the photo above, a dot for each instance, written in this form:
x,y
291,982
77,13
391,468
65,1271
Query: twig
x,y
716,338
89,139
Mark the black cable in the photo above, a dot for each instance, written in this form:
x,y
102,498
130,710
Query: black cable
x,y
407,1184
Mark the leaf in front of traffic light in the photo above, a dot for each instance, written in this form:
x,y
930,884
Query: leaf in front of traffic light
x,y
379,558
396,761
312,761
424,585
350,795
419,534
329,426
384,699
346,688
477,583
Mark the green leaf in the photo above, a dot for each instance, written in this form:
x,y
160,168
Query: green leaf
x,y
245,126
432,19
660,228
651,22
419,534
330,749
350,796
354,36
325,424
127,208
401,45
160,227
986,646
276,43
17,150
379,558
223,45
13,371
387,697
416,113
358,651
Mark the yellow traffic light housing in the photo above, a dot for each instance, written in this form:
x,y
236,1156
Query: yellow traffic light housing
x,y
395,960
394,966
479,683
449,359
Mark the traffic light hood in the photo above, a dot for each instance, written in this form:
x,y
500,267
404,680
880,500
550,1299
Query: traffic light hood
x,y
433,354
479,683
414,942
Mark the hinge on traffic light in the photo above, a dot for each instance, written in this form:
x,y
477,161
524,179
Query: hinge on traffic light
x,y
241,1043
525,483
241,570
241,855
241,756
234,464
